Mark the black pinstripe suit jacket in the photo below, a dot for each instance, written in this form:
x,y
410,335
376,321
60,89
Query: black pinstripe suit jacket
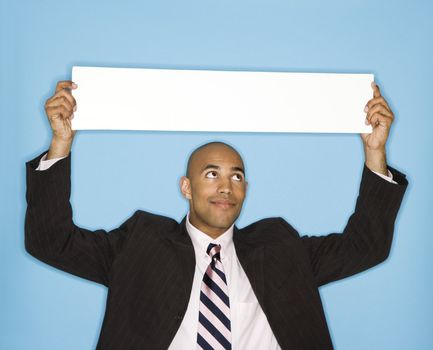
x,y
148,262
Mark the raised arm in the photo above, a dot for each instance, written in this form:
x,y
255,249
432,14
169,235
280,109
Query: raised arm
x,y
367,237
366,240
50,233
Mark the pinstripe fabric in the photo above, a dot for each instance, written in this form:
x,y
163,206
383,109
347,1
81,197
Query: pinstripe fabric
x,y
146,299
214,329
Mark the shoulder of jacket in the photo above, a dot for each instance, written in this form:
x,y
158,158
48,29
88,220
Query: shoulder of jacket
x,y
270,228
150,222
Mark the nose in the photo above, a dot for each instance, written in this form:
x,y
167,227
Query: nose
x,y
225,186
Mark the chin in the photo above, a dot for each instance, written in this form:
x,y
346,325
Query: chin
x,y
223,223
217,219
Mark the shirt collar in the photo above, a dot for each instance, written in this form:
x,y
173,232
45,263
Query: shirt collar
x,y
201,240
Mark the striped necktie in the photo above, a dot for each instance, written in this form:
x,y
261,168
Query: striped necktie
x,y
214,330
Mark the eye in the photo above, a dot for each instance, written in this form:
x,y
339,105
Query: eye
x,y
211,174
238,177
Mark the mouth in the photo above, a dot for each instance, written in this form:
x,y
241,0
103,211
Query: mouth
x,y
223,204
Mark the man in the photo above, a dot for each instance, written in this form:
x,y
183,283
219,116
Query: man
x,y
204,283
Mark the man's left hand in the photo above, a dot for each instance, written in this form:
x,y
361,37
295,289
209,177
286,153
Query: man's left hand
x,y
380,117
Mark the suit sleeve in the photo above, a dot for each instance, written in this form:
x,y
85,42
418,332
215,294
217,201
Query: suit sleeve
x,y
51,235
366,239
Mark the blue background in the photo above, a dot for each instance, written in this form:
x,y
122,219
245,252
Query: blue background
x,y
311,180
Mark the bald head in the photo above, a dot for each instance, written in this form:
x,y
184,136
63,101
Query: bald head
x,y
215,186
200,154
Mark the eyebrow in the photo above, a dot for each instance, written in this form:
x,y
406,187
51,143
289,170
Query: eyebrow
x,y
212,166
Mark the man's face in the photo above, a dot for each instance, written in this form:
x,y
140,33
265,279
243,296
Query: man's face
x,y
215,188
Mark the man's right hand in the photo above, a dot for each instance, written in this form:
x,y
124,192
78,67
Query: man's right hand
x,y
59,109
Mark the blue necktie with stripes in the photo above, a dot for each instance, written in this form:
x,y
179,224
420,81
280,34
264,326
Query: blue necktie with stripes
x,y
214,329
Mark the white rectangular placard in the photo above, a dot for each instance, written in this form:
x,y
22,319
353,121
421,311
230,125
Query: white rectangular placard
x,y
234,101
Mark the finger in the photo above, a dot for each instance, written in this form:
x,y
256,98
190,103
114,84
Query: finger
x,y
67,94
64,108
65,84
375,101
376,91
58,101
380,119
379,109
58,112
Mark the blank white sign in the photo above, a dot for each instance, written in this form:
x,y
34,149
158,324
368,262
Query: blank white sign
x,y
203,100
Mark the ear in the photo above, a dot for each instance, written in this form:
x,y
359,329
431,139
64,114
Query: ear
x,y
185,187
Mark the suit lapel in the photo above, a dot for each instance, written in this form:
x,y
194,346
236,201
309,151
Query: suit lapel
x,y
251,258
184,251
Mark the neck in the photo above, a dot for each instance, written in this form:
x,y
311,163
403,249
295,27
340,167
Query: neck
x,y
213,235
213,232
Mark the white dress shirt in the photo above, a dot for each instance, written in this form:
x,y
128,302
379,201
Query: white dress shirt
x,y
250,327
